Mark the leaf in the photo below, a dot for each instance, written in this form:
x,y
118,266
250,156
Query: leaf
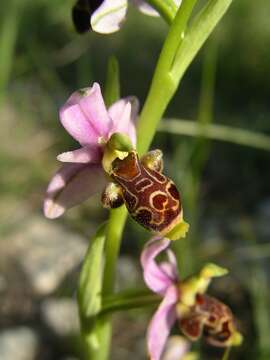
x,y
196,35
129,299
216,132
90,283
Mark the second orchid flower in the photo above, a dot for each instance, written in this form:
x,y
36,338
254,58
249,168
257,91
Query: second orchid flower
x,y
185,302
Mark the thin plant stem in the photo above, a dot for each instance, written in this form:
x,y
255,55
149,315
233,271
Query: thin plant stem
x,y
115,229
163,85
226,354
115,226
98,340
166,8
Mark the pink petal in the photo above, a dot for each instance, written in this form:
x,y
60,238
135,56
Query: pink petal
x,y
155,277
71,185
83,155
161,323
77,125
124,114
85,117
109,16
145,8
170,267
93,106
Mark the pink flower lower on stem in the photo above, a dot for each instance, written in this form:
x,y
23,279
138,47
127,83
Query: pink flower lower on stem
x,y
86,119
162,279
184,302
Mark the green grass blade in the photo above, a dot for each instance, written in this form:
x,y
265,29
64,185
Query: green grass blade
x,y
197,33
216,132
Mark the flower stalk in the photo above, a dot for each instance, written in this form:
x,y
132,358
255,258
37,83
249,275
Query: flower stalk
x,y
169,71
101,332
163,85
166,9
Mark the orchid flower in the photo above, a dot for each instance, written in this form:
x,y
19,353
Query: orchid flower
x,y
86,119
106,16
184,302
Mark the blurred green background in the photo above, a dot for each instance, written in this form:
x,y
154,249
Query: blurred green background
x,y
223,172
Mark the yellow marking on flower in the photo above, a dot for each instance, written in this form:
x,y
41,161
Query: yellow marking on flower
x,y
236,339
211,270
179,231
191,356
199,284
109,156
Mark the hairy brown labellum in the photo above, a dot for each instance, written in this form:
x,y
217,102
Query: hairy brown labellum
x,y
151,198
210,317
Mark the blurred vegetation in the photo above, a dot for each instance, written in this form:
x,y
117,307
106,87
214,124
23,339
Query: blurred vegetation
x,y
225,186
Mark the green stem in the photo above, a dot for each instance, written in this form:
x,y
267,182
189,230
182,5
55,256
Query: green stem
x,y
103,327
97,341
115,229
226,354
98,338
163,85
166,8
